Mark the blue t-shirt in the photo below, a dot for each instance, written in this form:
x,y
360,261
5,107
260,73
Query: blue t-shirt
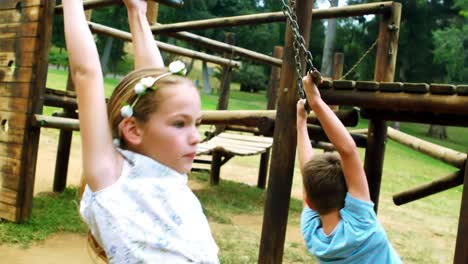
x,y
357,238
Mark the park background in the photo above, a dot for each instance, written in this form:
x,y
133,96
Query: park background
x,y
432,49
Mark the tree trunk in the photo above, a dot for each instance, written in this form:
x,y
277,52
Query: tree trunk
x,y
436,131
106,55
329,46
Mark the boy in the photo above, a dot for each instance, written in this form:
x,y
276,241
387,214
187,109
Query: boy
x,y
338,221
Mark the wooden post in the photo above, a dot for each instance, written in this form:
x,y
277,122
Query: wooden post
x,y
273,84
152,12
461,247
23,70
338,61
64,145
337,71
384,72
216,160
275,215
223,99
271,104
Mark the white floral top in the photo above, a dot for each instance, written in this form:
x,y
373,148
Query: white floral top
x,y
149,216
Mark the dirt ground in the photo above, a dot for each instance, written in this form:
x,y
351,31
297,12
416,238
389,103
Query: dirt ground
x,y
72,248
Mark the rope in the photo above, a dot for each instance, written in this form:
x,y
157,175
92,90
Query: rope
x,y
360,59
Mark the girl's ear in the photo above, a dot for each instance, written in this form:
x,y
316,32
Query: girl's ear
x,y
131,132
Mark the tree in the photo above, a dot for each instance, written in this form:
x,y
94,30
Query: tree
x,y
450,52
329,46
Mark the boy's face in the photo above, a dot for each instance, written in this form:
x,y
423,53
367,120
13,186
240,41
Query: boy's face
x,y
171,134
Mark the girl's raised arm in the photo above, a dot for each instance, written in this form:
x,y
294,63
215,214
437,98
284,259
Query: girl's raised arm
x,y
101,162
146,51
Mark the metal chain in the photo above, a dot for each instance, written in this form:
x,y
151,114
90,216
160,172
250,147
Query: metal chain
x,y
298,45
360,59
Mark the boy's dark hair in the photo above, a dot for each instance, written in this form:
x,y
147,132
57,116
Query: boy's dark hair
x,y
324,183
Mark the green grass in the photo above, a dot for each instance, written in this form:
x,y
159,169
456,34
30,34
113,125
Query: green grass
x,y
51,213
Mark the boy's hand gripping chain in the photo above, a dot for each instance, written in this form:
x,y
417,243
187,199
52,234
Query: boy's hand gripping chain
x,y
299,45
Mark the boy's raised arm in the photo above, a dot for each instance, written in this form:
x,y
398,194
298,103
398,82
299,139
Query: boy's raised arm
x,y
353,171
146,51
304,148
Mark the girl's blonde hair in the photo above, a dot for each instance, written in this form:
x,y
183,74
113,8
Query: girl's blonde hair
x,y
147,104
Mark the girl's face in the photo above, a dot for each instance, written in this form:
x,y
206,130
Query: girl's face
x,y
171,134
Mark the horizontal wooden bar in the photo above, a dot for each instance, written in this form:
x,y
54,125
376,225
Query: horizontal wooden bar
x,y
173,49
416,117
450,156
316,133
92,4
223,47
271,17
402,101
209,117
436,186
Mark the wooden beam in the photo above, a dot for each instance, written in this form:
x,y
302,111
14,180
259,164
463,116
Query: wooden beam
x,y
416,117
433,187
271,17
224,47
444,154
461,247
126,36
275,215
209,117
447,104
92,4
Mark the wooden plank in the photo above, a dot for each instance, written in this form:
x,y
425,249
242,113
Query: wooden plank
x,y
12,120
12,59
14,104
246,137
8,212
12,135
28,44
367,86
8,196
18,74
19,30
243,142
222,141
393,87
11,150
462,89
28,14
10,166
9,181
415,87
344,85
16,4
14,89
234,146
437,88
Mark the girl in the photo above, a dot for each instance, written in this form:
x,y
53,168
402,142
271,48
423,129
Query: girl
x,y
137,203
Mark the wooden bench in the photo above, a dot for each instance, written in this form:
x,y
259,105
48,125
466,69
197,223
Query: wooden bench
x,y
226,145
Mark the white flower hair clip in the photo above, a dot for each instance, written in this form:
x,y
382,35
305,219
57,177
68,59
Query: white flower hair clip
x,y
147,83
175,67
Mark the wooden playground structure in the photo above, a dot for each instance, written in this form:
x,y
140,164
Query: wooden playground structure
x,y
25,40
